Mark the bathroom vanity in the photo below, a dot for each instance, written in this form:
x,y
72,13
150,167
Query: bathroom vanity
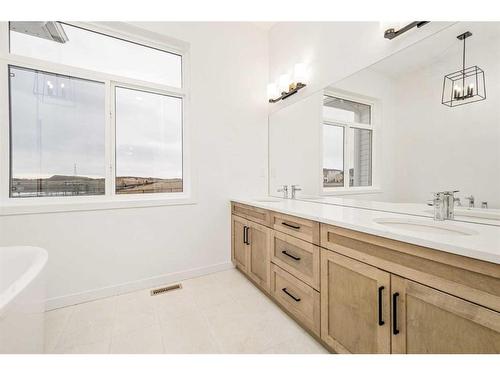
x,y
362,281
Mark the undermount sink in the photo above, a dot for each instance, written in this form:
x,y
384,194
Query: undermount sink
x,y
421,226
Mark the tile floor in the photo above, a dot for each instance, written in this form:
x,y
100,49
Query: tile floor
x,y
218,313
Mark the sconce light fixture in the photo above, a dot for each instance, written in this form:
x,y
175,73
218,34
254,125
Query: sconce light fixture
x,y
285,86
392,33
466,85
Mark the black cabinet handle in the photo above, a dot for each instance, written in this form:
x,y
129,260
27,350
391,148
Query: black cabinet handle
x,y
380,318
395,329
290,255
245,235
248,237
291,295
290,225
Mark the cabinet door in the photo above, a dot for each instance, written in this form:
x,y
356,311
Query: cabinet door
x,y
355,306
431,321
259,262
239,247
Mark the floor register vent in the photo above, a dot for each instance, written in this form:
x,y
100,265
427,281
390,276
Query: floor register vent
x,y
165,289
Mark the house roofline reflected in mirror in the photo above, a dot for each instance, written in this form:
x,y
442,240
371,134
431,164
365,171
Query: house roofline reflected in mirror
x,y
384,139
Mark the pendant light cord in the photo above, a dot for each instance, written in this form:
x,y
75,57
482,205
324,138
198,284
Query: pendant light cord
x,y
463,70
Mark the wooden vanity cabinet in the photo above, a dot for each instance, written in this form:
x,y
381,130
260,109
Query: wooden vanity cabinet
x,y
251,243
428,321
355,305
360,293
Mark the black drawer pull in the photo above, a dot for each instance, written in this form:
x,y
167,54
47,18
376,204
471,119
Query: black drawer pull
x,y
291,295
380,318
395,329
245,235
290,255
290,225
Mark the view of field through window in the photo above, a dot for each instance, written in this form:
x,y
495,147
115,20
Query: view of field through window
x,y
148,142
57,135
58,138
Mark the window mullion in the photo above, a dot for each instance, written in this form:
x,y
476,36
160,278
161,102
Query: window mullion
x,y
110,139
347,155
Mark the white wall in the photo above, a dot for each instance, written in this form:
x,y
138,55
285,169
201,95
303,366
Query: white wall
x,y
93,252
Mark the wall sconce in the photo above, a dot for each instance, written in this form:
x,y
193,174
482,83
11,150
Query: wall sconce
x,y
285,87
391,33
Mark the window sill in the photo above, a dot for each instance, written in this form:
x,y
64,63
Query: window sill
x,y
351,191
27,206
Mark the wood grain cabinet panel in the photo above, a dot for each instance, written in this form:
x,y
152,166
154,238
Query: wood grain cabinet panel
x,y
298,257
255,214
355,306
430,321
298,298
239,251
304,229
259,262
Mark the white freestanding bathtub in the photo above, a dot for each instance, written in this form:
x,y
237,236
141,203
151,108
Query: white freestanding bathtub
x,y
22,299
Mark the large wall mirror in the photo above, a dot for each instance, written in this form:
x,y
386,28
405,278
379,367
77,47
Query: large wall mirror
x,y
392,134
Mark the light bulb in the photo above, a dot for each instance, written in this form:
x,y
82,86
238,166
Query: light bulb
x,y
272,91
300,73
284,82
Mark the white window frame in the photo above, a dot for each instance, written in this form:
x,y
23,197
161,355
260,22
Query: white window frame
x,y
110,200
374,126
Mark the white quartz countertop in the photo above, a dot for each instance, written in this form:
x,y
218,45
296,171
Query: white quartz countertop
x,y
483,243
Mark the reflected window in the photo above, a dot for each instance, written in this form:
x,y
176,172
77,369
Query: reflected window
x,y
347,143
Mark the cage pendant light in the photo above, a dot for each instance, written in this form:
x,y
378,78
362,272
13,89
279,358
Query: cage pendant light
x,y
466,85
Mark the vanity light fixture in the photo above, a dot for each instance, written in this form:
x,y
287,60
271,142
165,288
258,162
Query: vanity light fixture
x,y
392,33
466,85
285,88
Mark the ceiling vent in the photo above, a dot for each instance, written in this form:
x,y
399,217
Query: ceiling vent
x,y
50,30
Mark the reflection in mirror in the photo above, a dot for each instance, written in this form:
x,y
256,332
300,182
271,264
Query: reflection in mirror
x,y
382,139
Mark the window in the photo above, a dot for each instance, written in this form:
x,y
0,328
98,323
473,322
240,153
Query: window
x,y
94,51
347,142
148,142
57,135
85,123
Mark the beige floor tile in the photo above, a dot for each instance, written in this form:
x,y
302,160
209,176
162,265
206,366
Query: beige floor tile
x,y
188,334
174,304
55,322
142,341
132,320
100,347
300,344
218,313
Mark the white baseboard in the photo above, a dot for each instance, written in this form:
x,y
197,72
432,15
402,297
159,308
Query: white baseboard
x,y
114,290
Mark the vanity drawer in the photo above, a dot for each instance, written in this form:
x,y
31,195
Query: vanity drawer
x,y
298,257
304,229
254,214
298,298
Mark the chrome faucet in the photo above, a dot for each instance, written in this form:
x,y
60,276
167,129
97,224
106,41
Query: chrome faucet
x,y
295,189
471,201
284,190
444,204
